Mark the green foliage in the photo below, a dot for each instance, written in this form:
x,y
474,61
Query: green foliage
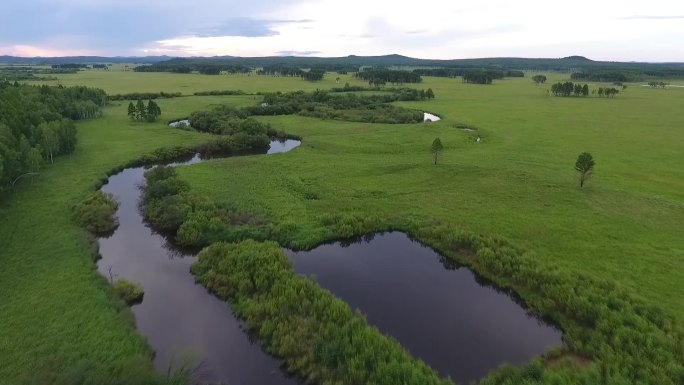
x,y
129,292
348,106
316,335
97,213
539,79
145,95
570,89
585,166
35,124
436,149
380,76
153,110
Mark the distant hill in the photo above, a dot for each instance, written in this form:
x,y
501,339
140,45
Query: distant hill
x,y
573,63
81,60
541,64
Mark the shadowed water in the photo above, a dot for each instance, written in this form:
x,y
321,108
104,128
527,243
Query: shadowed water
x,y
460,327
179,318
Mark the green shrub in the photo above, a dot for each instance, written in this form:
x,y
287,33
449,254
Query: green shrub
x,y
129,292
97,213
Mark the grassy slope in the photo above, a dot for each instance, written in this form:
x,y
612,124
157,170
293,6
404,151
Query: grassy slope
x,y
519,183
55,308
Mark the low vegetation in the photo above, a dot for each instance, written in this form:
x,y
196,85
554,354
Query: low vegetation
x,y
317,336
97,213
129,292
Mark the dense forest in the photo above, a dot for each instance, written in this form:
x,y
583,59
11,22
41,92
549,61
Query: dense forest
x,y
381,76
36,124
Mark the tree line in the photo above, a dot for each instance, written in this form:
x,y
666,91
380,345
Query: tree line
x,y
482,76
653,84
381,76
36,125
569,89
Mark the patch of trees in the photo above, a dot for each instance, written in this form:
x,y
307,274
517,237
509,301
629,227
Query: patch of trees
x,y
539,79
657,84
600,76
139,111
609,92
569,89
145,95
276,70
99,66
186,66
313,75
316,335
482,76
36,125
381,76
441,72
514,74
349,107
227,120
69,66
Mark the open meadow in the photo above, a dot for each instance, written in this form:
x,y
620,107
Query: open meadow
x,y
505,172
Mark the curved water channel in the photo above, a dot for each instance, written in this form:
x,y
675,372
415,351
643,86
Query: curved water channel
x,y
179,318
457,325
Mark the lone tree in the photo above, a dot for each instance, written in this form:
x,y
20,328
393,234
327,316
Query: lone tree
x,y
539,79
436,149
585,165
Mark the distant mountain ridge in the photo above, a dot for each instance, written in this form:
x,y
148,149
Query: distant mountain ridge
x,y
562,64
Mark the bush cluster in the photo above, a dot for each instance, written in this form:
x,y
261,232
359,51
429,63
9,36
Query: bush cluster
x,y
129,292
97,213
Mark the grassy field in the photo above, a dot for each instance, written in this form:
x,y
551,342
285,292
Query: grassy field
x,y
518,183
118,81
56,311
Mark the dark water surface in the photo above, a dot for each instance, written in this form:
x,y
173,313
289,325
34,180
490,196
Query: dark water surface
x,y
458,326
179,318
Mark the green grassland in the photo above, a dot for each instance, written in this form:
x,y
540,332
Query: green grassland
x,y
517,183
57,312
117,81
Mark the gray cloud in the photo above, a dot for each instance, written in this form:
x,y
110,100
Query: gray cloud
x,y
123,26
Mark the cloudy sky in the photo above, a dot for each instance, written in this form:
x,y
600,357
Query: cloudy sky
x,y
603,30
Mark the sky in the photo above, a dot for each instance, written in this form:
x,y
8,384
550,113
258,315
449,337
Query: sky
x,y
440,29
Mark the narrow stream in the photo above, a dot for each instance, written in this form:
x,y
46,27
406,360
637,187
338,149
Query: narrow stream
x,y
459,326
179,318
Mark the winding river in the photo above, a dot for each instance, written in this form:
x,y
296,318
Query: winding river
x,y
456,324
180,319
